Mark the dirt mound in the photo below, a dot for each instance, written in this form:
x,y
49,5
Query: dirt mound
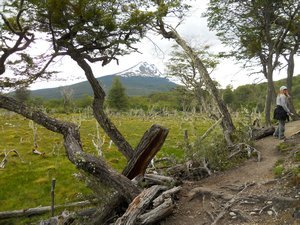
x,y
248,194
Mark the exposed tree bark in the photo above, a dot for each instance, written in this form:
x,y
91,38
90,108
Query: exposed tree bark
x,y
99,96
227,124
257,134
149,145
241,147
290,74
166,194
158,213
139,205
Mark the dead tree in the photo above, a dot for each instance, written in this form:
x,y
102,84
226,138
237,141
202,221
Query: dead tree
x,y
227,124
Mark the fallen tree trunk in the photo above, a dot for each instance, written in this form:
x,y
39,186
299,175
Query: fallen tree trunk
x,y
259,133
39,210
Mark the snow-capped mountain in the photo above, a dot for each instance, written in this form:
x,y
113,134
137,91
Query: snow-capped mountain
x,y
139,80
142,69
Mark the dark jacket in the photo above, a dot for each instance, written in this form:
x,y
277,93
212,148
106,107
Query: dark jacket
x,y
280,113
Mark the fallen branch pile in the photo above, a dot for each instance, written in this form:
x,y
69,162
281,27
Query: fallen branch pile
x,y
140,212
243,147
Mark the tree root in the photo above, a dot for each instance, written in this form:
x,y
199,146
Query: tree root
x,y
228,205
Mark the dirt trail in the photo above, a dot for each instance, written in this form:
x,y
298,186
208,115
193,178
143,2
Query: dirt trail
x,y
195,212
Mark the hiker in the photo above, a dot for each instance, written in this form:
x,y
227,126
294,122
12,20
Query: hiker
x,y
281,112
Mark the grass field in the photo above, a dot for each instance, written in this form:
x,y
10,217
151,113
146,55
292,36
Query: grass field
x,y
26,182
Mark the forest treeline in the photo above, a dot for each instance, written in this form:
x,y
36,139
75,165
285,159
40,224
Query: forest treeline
x,y
250,96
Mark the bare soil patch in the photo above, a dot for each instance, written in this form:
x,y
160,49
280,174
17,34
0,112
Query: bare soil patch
x,y
248,194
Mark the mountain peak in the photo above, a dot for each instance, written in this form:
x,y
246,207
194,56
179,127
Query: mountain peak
x,y
142,69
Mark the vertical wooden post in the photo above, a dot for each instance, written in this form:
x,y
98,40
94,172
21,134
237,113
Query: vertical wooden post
x,y
52,196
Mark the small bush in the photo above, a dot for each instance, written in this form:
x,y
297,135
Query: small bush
x,y
278,170
214,150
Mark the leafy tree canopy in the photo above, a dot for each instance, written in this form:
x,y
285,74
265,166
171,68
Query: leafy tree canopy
x,y
97,30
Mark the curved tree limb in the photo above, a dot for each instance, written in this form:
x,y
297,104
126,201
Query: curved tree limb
x,y
94,166
98,109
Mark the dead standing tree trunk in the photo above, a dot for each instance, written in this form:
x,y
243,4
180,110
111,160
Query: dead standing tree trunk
x,y
149,145
227,124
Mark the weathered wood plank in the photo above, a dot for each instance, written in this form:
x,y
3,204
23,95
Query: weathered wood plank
x,y
139,205
158,213
259,133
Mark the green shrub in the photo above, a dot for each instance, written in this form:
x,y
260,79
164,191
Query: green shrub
x,y
278,170
213,149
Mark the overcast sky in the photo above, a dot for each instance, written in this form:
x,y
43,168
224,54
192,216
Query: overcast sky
x,y
193,29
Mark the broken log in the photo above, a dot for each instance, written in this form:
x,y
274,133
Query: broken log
x,y
39,210
157,214
139,205
67,218
149,145
165,195
259,133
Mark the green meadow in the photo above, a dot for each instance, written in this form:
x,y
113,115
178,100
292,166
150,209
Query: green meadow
x,y
25,181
